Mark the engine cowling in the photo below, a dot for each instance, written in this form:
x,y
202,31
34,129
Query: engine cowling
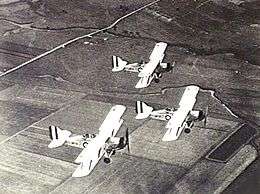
x,y
168,67
201,115
197,115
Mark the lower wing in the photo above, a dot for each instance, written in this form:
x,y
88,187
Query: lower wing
x,y
172,133
88,158
144,81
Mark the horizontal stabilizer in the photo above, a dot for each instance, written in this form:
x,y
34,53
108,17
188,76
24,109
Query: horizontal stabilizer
x,y
158,51
58,136
118,64
143,110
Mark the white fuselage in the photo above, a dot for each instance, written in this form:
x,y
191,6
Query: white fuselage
x,y
134,67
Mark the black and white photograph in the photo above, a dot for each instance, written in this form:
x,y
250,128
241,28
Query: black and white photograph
x,y
129,96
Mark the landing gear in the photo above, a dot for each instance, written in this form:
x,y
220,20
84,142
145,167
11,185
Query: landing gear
x,y
156,80
107,160
159,75
188,126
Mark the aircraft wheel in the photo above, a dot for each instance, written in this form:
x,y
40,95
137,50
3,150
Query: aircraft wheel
x,y
167,117
159,75
156,80
187,130
107,160
140,69
85,144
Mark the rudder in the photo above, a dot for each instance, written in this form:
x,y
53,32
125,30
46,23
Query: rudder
x,y
118,64
57,136
143,110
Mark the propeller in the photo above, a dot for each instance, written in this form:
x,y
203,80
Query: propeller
x,y
206,116
127,140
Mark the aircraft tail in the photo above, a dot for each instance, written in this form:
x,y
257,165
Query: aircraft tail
x,y
58,136
143,110
118,64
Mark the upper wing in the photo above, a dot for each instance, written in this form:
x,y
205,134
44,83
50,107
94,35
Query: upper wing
x,y
113,121
158,50
189,97
156,56
176,123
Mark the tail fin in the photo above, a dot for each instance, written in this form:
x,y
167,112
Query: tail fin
x,y
58,136
118,64
143,110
